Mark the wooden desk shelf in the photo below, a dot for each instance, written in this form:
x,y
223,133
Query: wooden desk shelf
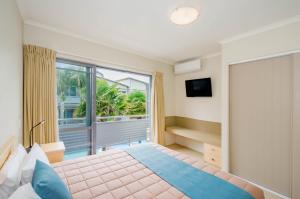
x,y
201,136
212,142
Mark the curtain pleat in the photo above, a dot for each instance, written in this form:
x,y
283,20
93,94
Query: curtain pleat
x,y
39,94
158,109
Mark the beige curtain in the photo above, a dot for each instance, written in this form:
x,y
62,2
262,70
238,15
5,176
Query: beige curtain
x,y
158,109
39,94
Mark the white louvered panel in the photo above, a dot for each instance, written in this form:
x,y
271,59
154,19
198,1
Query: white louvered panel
x,y
109,133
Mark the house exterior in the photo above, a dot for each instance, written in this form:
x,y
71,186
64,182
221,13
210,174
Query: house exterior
x,y
122,87
134,84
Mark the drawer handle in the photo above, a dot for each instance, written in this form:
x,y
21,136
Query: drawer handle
x,y
213,159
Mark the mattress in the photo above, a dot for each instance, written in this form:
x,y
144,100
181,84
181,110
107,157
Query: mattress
x,y
115,174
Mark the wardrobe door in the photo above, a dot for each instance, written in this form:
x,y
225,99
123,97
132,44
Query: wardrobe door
x,y
296,128
260,122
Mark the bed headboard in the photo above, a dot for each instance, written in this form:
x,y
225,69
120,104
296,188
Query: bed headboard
x,y
6,150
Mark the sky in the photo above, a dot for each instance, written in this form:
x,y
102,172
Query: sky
x,y
116,75
108,73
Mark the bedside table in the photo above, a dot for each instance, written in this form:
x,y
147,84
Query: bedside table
x,y
55,151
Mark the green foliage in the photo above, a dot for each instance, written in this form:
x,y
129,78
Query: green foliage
x,y
109,100
80,111
67,79
136,103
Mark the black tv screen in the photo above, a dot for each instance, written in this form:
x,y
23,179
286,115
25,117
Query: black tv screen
x,y
198,87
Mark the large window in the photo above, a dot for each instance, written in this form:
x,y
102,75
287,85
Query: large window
x,y
100,108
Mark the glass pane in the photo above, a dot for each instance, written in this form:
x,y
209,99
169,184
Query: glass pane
x,y
122,107
72,95
74,108
77,143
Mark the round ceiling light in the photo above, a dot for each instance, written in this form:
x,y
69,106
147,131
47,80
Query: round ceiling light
x,y
184,15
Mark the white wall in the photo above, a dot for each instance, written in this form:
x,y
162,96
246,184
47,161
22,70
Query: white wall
x,y
10,71
79,49
284,39
201,108
279,40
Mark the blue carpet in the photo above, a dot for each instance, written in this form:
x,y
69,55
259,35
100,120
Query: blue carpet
x,y
192,182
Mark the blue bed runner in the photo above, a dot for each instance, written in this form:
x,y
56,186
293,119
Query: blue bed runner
x,y
193,182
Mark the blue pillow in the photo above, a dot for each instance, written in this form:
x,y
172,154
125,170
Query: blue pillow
x,y
47,184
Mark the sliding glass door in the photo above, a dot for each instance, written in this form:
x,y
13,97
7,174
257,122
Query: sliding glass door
x,y
74,107
100,108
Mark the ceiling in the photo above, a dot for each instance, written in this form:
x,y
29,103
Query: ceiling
x,y
143,26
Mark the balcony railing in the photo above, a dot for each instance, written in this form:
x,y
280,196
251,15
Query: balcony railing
x,y
125,130
71,122
110,131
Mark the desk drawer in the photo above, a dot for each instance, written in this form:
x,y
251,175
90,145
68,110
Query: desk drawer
x,y
212,154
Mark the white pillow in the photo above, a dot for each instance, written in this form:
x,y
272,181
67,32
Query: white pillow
x,y
36,153
25,192
11,172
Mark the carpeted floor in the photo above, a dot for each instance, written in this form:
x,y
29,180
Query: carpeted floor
x,y
196,154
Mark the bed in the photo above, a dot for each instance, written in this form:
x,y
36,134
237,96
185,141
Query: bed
x,y
116,174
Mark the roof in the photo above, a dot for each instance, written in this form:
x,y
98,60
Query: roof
x,y
130,78
116,82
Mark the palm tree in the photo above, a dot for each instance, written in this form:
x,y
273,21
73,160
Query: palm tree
x,y
110,101
136,103
67,79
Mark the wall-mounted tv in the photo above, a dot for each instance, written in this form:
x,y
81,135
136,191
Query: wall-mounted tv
x,y
198,87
